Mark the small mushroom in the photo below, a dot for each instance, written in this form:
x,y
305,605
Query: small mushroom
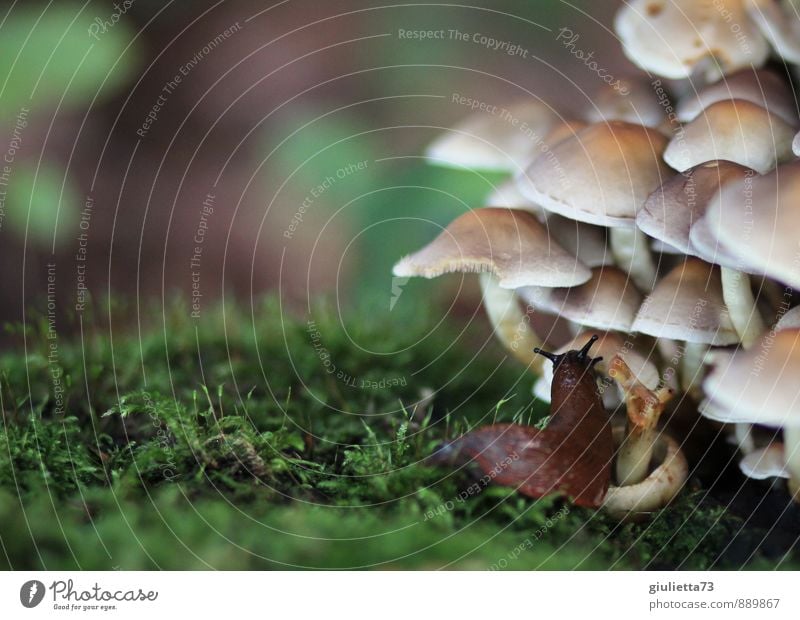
x,y
687,305
735,130
761,87
671,211
493,139
602,175
756,220
510,249
631,99
589,243
759,386
676,38
765,463
608,301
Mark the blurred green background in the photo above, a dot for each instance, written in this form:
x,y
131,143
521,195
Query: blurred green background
x,y
272,100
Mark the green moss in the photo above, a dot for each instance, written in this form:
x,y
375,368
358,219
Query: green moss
x,y
226,443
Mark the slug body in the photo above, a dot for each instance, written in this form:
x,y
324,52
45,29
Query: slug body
x,y
571,455
578,417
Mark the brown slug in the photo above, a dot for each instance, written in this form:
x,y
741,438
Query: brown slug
x,y
571,455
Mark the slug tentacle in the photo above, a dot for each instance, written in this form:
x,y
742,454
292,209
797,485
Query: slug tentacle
x,y
580,355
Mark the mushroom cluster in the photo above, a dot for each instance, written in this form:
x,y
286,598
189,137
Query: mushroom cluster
x,y
669,230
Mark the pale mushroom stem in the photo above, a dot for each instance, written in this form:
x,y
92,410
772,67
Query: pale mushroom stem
x,y
669,351
644,407
741,305
791,448
511,325
632,253
692,360
747,321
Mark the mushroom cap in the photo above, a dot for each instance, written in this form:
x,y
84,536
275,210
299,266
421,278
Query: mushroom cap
x,y
609,345
669,212
758,385
765,463
558,132
601,175
587,242
673,37
633,101
687,305
790,320
757,220
513,245
778,23
608,301
736,130
502,140
507,195
705,245
714,411
762,87
796,144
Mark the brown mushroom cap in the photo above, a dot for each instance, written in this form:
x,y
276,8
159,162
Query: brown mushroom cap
x,y
735,130
601,175
513,245
669,212
609,301
757,220
687,305
673,37
761,87
492,140
758,385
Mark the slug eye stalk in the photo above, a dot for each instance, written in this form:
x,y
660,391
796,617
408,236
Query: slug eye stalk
x,y
581,355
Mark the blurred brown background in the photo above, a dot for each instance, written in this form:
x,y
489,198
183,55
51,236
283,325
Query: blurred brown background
x,y
273,99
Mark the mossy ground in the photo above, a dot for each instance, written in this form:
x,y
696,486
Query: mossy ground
x,y
226,444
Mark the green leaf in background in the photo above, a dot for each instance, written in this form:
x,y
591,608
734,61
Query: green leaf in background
x,y
49,52
53,210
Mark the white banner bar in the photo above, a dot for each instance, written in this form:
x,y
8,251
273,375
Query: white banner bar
x,y
406,595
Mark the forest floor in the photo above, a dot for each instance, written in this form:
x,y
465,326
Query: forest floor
x,y
275,442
